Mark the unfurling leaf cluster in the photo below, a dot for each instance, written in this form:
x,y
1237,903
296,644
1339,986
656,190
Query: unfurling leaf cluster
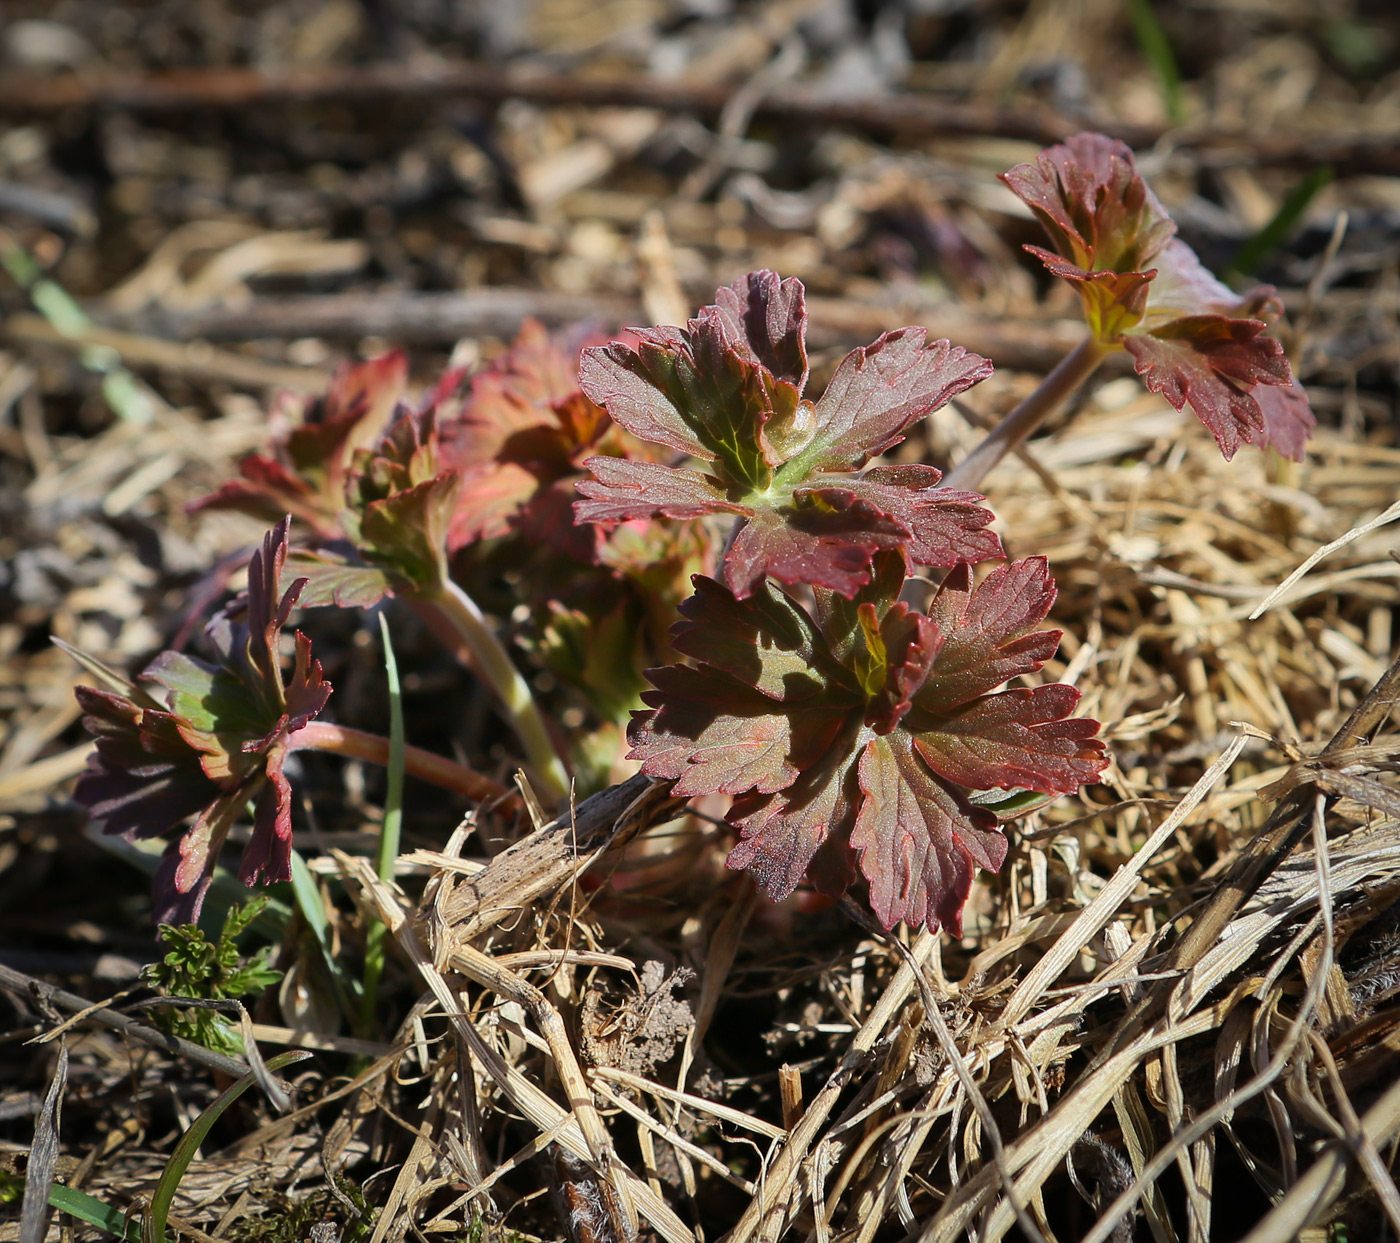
x,y
1192,338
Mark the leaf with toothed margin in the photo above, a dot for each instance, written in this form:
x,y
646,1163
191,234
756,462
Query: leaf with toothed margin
x,y
879,391
989,630
945,525
515,429
621,490
1017,739
217,742
711,734
1216,365
333,581
845,735
727,389
919,839
765,320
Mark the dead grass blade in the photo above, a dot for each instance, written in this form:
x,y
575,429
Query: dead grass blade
x,y
43,1155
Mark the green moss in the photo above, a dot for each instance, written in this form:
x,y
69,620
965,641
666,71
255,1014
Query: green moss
x,y
286,1220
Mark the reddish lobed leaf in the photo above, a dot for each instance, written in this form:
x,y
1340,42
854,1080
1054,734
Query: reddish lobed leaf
x,y
864,733
878,391
727,389
765,319
989,630
218,742
944,525
1017,739
919,842
782,834
1193,339
711,734
304,473
1216,364
520,426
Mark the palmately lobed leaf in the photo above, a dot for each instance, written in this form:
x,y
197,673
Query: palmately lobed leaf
x,y
859,735
727,390
218,742
514,429
1193,339
310,453
1216,365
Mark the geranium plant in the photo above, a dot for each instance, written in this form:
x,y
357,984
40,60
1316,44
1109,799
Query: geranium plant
x,y
855,734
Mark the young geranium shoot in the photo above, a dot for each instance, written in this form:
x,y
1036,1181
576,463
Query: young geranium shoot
x,y
727,391
1192,339
862,729
216,745
214,739
303,473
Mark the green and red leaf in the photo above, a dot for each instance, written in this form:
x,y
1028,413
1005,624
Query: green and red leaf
x,y
868,731
217,742
727,390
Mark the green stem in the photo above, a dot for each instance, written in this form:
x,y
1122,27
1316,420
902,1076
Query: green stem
x,y
454,618
389,835
355,744
1076,367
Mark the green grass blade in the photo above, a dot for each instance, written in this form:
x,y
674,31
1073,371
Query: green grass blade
x,y
391,832
308,900
1157,48
1250,255
154,1219
93,1211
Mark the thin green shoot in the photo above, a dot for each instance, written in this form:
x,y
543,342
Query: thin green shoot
x,y
391,832
1259,247
1156,47
158,1211
308,900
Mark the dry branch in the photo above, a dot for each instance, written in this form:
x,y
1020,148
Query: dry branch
x,y
885,115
